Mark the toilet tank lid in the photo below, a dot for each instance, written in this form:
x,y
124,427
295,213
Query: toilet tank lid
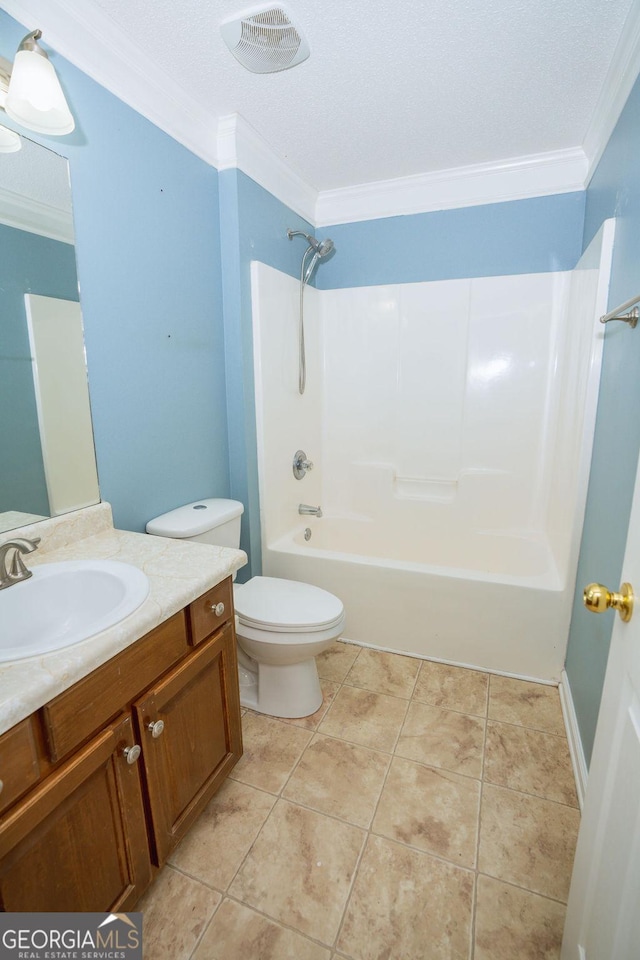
x,y
194,518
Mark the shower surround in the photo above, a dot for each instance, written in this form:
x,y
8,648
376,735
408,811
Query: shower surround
x,y
450,424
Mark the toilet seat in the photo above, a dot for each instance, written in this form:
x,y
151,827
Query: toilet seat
x,y
286,607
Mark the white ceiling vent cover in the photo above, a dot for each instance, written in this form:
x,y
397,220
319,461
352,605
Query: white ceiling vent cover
x,y
265,40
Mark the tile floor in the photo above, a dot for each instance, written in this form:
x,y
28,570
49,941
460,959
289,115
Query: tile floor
x,y
425,812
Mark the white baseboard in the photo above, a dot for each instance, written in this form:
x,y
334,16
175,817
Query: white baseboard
x,y
578,761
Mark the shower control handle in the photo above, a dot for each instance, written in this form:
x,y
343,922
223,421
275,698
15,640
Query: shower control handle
x,y
301,464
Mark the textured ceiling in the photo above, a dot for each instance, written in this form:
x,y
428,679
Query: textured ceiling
x,y
39,174
395,88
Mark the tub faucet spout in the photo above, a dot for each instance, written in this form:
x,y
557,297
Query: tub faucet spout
x,y
308,511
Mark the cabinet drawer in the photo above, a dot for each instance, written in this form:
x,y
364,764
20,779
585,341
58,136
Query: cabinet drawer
x,y
73,716
202,612
19,762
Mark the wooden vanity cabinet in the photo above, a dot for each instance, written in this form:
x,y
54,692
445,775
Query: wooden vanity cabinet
x,y
111,774
78,841
191,710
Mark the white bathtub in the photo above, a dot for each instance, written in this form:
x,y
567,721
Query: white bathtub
x,y
492,602
451,425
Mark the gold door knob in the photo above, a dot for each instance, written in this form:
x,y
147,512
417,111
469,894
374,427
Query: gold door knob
x,y
597,599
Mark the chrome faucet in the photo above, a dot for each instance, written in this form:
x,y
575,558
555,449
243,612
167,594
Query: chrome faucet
x,y
308,511
16,571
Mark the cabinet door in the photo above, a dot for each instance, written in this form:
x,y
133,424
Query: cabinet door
x,y
189,727
77,841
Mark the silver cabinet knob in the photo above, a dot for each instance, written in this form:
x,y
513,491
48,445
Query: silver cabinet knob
x,y
131,754
156,729
217,608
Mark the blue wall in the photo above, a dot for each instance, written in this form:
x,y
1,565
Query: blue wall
x,y
495,239
28,264
148,250
614,191
253,226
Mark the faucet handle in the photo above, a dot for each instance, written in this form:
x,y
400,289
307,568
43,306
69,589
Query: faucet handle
x,y
25,545
301,464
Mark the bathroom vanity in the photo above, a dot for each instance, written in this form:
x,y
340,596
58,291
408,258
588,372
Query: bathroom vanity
x,y
101,781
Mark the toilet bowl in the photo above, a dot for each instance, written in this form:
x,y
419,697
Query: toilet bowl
x,y
281,625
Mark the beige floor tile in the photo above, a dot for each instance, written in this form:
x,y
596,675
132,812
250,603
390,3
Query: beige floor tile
x,y
175,912
384,673
442,738
527,841
335,663
329,690
454,688
431,809
236,931
408,905
218,842
299,870
513,923
339,778
535,705
271,750
371,719
529,761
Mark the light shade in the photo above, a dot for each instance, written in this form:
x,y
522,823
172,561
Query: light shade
x,y
35,98
9,141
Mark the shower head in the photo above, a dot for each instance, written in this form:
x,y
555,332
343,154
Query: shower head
x,y
320,252
320,248
323,247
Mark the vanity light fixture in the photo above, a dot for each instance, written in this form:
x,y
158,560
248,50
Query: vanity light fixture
x,y
30,92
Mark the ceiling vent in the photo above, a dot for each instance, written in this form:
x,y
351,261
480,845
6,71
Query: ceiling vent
x,y
265,40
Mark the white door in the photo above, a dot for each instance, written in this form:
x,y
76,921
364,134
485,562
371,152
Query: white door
x,y
603,914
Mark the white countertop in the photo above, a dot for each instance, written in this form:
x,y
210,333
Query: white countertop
x,y
178,573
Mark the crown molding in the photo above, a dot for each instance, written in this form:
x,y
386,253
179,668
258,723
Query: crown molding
x,y
621,76
92,42
239,145
544,174
30,215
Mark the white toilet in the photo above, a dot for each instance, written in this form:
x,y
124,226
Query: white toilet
x,y
281,624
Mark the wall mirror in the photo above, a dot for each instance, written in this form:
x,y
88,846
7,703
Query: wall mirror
x,y
48,462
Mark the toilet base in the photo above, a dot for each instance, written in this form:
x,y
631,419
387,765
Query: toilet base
x,y
290,691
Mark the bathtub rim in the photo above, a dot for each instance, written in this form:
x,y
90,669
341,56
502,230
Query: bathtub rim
x,y
550,580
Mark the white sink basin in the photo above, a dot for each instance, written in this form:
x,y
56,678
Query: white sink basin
x,y
64,603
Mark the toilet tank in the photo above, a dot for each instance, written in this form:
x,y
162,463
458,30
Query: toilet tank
x,y
206,521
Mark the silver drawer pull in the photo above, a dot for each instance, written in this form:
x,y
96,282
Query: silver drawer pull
x,y
217,608
156,729
131,754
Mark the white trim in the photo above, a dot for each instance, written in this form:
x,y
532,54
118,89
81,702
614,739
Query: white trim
x,y
538,175
578,761
621,76
24,213
239,145
91,40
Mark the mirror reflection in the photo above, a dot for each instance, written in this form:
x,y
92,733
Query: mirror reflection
x,y
48,461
